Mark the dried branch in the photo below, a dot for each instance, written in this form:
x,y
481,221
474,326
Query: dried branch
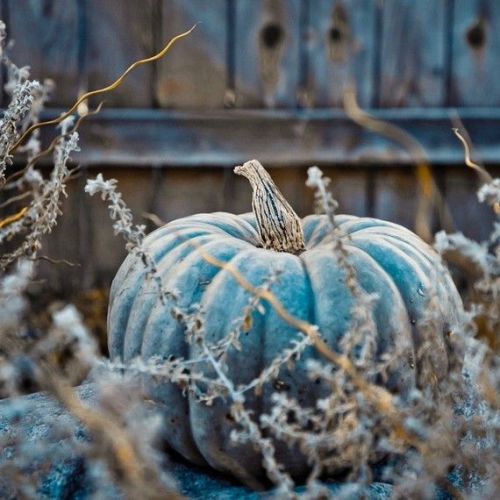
x,y
13,218
57,261
103,90
482,172
429,192
378,395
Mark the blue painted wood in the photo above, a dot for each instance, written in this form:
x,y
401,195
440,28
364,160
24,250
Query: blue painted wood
x,y
340,50
350,189
179,194
193,74
396,196
46,39
412,53
469,216
267,53
282,138
475,55
120,33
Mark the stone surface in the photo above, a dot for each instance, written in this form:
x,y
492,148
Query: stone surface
x,y
48,457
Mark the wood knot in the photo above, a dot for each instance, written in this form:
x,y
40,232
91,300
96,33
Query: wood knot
x,y
271,35
476,34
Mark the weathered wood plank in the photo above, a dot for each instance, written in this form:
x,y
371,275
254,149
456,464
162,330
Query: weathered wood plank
x,y
88,277
193,74
267,53
349,188
340,50
189,191
296,137
475,55
413,52
395,196
120,33
291,182
237,193
46,39
472,218
107,249
64,244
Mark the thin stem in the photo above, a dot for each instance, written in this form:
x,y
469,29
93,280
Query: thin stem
x,y
103,90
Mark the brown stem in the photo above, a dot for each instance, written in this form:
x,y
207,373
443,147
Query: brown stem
x,y
278,225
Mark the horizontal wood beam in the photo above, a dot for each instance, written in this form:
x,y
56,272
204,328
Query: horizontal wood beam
x,y
144,137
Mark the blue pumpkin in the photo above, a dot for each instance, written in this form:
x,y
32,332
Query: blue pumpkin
x,y
388,259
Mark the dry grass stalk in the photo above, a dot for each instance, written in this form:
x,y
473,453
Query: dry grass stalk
x,y
429,193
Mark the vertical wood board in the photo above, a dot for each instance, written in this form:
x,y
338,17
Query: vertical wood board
x,y
413,53
119,33
475,53
64,243
237,193
471,217
340,50
46,37
193,73
349,189
106,248
189,191
267,53
395,197
291,182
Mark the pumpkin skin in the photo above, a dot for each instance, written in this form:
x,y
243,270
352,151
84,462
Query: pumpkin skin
x,y
389,260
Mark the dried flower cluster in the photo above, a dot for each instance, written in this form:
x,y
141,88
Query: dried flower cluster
x,y
54,357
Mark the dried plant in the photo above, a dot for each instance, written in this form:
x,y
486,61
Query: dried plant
x,y
53,358
442,435
433,443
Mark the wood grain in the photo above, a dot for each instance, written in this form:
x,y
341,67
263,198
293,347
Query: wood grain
x,y
295,137
46,37
291,182
472,218
193,74
236,193
396,196
189,191
267,53
106,248
340,50
64,243
475,55
349,188
413,51
119,33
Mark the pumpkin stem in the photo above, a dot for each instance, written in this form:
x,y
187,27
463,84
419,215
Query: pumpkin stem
x,y
278,225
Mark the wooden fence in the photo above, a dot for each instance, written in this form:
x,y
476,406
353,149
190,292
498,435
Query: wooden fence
x,y
264,79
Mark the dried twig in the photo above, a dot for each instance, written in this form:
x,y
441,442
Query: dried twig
x,y
157,221
428,190
482,172
103,90
13,218
130,467
56,261
378,395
